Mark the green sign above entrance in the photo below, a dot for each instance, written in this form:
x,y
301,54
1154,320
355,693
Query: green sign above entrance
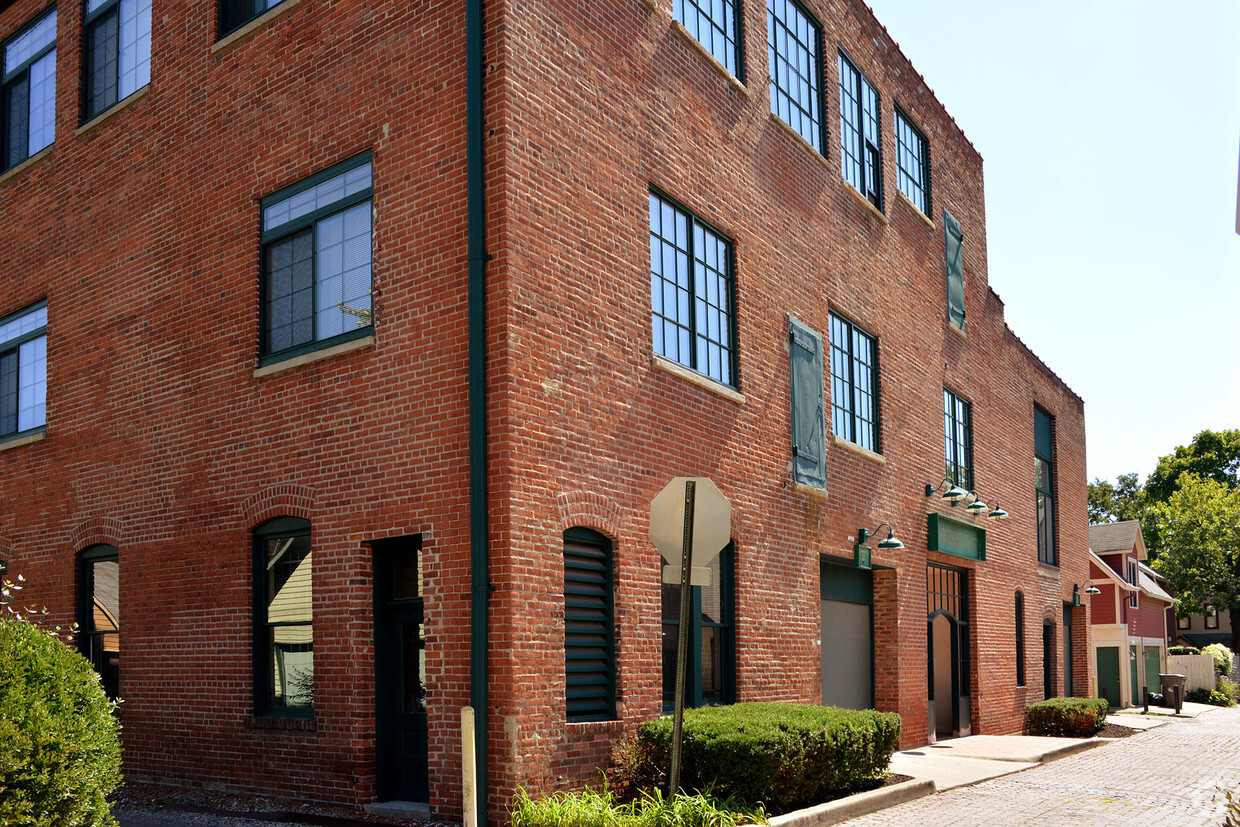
x,y
952,536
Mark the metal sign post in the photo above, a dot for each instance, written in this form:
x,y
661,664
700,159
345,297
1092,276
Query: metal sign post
x,y
690,523
682,644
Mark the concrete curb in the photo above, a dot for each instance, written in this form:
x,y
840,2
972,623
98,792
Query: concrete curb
x,y
854,806
1049,755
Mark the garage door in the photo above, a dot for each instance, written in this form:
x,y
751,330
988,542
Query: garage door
x,y
847,637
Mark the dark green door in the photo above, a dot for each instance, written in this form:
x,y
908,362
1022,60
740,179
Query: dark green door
x,y
1108,674
400,672
1152,668
1134,693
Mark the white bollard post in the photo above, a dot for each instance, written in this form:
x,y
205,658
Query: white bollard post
x,y
469,767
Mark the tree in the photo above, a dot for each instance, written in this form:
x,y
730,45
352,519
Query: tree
x,y
1199,526
1123,500
1213,455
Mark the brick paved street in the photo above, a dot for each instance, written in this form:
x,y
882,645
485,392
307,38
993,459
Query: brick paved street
x,y
1173,775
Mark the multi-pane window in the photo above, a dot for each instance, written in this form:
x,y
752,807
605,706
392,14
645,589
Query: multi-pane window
x,y
23,371
317,261
99,614
283,618
589,652
860,157
854,383
1020,639
1132,579
912,163
794,47
710,665
1044,485
691,292
716,25
958,440
28,90
118,52
1211,617
236,13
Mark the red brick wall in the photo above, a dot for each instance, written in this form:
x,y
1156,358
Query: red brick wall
x,y
142,234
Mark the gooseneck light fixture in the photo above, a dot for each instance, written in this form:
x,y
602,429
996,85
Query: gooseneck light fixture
x,y
996,513
953,494
891,542
1090,589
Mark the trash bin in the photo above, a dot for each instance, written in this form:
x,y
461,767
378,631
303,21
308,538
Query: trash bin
x,y
1173,689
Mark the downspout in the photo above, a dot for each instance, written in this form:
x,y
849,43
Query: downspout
x,y
478,504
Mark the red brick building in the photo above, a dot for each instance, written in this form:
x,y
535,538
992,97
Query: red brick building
x,y
339,342
1129,617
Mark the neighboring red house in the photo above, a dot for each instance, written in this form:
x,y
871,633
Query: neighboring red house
x,y
343,346
1129,616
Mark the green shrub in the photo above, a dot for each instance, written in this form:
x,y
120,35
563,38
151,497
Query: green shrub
x,y
1183,650
1229,688
1223,657
784,756
60,752
594,809
1067,717
1209,696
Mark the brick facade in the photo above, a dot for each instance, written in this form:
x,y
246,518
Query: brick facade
x,y
166,440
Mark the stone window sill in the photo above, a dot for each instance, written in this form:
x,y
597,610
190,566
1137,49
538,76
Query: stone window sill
x,y
27,164
113,110
863,201
285,724
800,139
17,442
257,23
315,356
732,79
916,209
854,448
677,369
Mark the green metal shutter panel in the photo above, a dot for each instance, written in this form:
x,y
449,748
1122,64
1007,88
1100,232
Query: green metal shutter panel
x,y
589,661
953,245
809,445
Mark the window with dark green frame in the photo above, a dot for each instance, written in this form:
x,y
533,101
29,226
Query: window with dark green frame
x,y
710,670
117,46
794,49
316,243
99,614
23,372
1020,639
854,384
912,163
691,291
958,440
589,645
28,90
283,618
236,13
861,158
716,25
1044,485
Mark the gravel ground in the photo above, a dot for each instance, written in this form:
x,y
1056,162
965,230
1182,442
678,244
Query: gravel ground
x,y
148,805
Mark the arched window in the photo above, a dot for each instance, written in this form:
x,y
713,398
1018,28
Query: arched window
x,y
283,618
99,613
589,646
1020,639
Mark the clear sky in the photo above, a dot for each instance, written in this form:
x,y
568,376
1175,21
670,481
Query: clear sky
x,y
1110,131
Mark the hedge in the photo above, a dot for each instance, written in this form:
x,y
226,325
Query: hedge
x,y
783,756
1067,717
60,751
